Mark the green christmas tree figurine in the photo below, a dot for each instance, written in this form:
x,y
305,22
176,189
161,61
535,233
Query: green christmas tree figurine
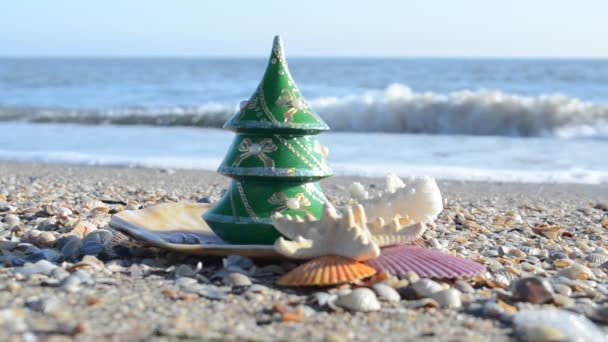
x,y
275,160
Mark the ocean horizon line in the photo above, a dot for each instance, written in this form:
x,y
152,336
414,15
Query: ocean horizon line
x,y
307,57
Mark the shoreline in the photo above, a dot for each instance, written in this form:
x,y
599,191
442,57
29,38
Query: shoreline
x,y
553,191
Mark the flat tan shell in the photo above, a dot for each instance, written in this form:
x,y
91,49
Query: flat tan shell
x,y
180,227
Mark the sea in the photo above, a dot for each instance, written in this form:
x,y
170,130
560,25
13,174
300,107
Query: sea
x,y
505,120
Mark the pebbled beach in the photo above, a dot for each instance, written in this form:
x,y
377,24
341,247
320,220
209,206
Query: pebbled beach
x,y
136,293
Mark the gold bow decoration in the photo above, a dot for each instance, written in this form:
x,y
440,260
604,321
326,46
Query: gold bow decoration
x,y
291,100
298,202
248,148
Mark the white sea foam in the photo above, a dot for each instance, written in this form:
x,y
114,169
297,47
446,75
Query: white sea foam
x,y
487,158
396,109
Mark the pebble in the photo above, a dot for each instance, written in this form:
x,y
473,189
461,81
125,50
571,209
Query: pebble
x,y
533,290
464,286
562,300
44,305
562,289
449,298
11,220
426,287
492,309
361,299
386,292
236,279
46,239
71,284
211,293
576,271
184,271
39,267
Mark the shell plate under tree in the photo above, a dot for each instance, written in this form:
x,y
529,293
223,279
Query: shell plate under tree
x,y
326,271
427,263
180,227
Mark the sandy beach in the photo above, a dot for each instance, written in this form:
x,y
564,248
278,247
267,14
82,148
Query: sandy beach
x,y
135,296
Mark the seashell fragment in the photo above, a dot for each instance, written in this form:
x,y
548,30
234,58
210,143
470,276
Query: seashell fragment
x,y
549,231
576,271
361,299
428,263
326,270
596,258
343,235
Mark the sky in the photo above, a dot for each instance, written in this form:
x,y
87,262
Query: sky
x,y
379,28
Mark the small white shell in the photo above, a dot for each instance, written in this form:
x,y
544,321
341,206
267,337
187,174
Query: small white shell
x,y
386,292
361,299
426,287
448,298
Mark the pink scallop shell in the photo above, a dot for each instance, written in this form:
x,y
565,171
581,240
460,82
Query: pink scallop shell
x,y
427,263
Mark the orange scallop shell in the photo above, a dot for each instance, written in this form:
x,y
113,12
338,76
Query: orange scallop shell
x,y
325,271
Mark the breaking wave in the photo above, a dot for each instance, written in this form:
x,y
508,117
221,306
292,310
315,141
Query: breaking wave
x,y
394,109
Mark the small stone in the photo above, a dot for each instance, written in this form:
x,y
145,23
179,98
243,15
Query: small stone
x,y
46,239
361,299
44,305
185,282
602,206
11,220
464,286
562,300
426,287
84,277
411,277
211,292
449,298
562,289
533,290
576,271
184,271
236,279
492,309
71,284
386,292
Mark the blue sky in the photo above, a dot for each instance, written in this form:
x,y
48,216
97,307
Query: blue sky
x,y
470,28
